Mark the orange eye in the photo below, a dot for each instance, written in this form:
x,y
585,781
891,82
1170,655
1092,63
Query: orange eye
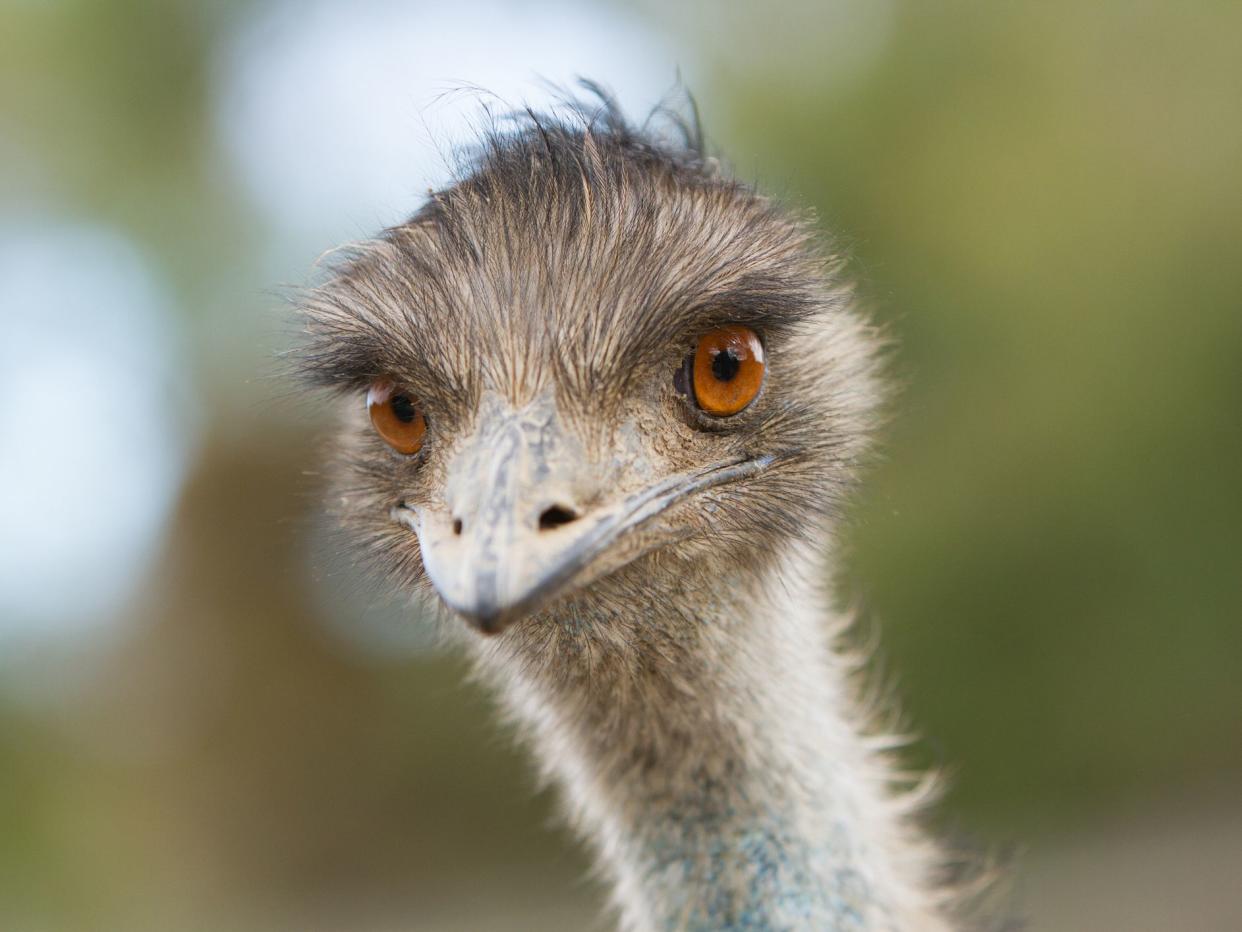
x,y
727,370
396,417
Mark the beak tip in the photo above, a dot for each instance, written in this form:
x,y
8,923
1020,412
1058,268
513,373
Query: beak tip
x,y
488,620
489,626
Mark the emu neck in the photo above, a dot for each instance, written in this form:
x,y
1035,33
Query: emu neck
x,y
712,754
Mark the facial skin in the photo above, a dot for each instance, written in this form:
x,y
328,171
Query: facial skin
x,y
554,320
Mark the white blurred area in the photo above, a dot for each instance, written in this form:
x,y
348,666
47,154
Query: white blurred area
x,y
334,119
339,116
97,422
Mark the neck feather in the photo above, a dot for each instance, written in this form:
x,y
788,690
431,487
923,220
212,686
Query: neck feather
x,y
715,757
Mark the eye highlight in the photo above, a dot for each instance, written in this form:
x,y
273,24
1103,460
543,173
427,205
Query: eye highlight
x,y
726,371
396,417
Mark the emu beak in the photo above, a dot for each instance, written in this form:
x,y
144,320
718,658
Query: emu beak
x,y
512,537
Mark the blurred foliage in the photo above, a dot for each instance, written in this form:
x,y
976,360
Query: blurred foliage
x,y
1044,206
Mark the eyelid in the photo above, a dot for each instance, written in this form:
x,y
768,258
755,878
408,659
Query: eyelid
x,y
379,391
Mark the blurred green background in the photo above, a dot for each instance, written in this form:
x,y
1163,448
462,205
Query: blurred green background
x,y
209,721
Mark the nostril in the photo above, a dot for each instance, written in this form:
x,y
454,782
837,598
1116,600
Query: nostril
x,y
555,516
457,526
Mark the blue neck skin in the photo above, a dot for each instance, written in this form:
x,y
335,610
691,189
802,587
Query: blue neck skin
x,y
742,874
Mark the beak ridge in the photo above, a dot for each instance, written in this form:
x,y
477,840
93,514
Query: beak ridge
x,y
491,557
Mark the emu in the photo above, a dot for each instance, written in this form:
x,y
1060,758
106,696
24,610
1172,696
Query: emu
x,y
603,404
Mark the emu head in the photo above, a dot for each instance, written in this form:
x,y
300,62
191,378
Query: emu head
x,y
588,373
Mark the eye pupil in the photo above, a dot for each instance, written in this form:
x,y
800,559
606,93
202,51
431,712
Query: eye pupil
x,y
725,365
403,408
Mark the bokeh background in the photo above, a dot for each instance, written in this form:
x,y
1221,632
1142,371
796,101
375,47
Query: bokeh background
x,y
209,720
